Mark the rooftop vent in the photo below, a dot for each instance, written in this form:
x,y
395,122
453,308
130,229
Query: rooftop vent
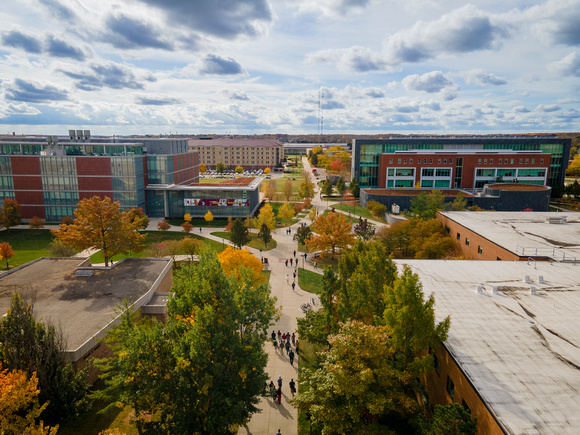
x,y
480,289
556,219
533,290
527,279
495,290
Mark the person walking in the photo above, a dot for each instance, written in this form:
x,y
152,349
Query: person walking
x,y
286,262
294,275
287,279
315,266
293,285
280,381
273,335
292,386
279,394
294,254
279,335
297,348
273,392
293,339
281,347
283,337
291,262
288,337
199,230
287,347
275,346
279,433
291,355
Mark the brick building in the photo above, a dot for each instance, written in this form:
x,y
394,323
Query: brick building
x,y
248,153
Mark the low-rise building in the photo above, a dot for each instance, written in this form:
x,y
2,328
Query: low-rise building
x,y
248,153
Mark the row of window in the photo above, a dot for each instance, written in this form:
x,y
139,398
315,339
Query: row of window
x,y
404,161
511,161
512,172
479,248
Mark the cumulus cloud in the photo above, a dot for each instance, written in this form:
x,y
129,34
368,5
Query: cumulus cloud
x,y
559,20
217,65
375,93
546,108
226,19
127,32
30,92
157,101
481,78
332,7
58,10
59,48
237,95
434,81
358,59
568,66
20,40
109,75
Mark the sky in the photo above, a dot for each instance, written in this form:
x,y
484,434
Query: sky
x,y
289,66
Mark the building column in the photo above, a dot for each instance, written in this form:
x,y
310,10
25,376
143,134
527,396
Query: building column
x,y
165,204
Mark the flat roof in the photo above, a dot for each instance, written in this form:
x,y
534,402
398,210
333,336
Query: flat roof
x,y
520,351
246,183
80,305
229,142
412,191
526,233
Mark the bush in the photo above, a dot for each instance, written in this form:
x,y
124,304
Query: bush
x,y
59,249
377,209
36,223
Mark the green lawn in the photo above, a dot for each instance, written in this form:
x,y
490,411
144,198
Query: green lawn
x,y
27,245
255,241
348,218
157,237
358,211
200,222
310,281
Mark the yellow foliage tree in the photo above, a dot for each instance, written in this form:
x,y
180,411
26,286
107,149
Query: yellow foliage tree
x,y
270,189
202,168
233,259
187,217
19,407
266,216
286,211
208,216
331,232
267,171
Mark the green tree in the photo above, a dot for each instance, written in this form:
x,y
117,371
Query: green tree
x,y
354,188
377,209
59,249
266,216
10,214
356,376
459,203
29,345
426,206
220,168
452,419
239,234
411,319
286,211
340,186
265,234
327,188
303,233
314,159
306,190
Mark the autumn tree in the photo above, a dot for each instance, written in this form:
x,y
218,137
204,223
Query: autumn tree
x,y
187,227
36,223
377,209
233,260
364,230
331,232
358,373
327,188
6,252
99,223
459,203
208,216
265,234
306,189
202,168
220,168
239,234
426,206
187,217
33,347
265,216
286,211
191,246
10,214
267,171
239,170
19,407
287,189
270,190
164,225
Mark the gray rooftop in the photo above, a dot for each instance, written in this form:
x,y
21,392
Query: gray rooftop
x,y
82,306
526,233
520,351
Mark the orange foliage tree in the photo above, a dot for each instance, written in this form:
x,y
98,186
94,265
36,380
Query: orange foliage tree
x,y
233,259
6,252
331,232
187,227
36,222
99,223
19,407
163,225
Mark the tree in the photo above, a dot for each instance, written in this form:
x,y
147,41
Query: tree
x,y
426,206
220,168
208,216
164,225
337,165
306,189
287,189
239,234
59,249
67,220
33,347
340,186
303,233
202,168
286,211
265,234
6,252
377,209
459,203
331,232
234,260
10,214
267,171
452,419
357,375
574,167
99,223
364,229
19,407
266,216
191,246
239,170
314,159
354,188
313,214
411,319
187,227
187,217
327,188
270,190
36,223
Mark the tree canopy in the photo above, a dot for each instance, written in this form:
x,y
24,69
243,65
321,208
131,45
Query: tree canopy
x,y
331,232
306,190
286,211
426,206
265,234
265,216
239,234
10,214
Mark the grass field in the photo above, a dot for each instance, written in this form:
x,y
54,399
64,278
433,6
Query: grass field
x,y
157,237
200,222
310,281
27,245
348,218
255,241
358,211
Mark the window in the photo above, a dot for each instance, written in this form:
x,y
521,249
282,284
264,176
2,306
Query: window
x,y
479,249
466,241
430,161
411,161
541,161
399,161
498,259
458,236
479,161
485,161
445,161
533,161
390,161
439,161
500,161
436,362
527,161
447,229
425,161
521,161
450,161
467,408
427,172
405,161
450,387
491,161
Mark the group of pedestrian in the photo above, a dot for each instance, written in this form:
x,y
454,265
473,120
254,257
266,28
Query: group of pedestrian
x,y
288,231
282,341
276,393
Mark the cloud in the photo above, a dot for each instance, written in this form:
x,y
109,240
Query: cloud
x,y
126,32
214,64
236,95
331,105
19,40
481,78
157,101
357,59
58,10
568,66
108,75
462,31
332,7
59,48
430,82
559,20
225,19
546,108
521,109
29,92
375,93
